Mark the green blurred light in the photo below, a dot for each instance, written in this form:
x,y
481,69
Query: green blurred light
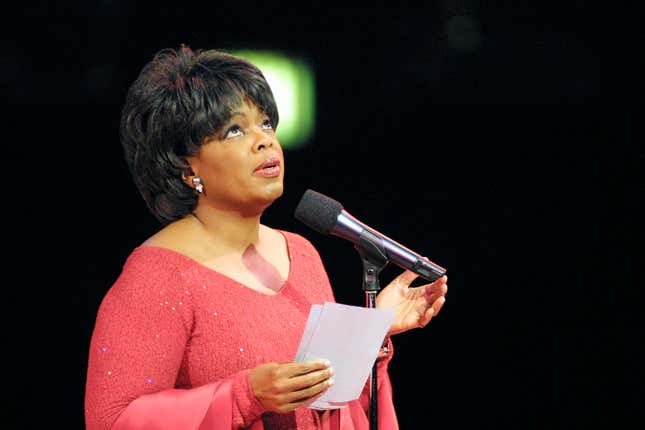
x,y
292,84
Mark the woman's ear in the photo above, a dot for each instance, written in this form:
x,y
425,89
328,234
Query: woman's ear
x,y
189,173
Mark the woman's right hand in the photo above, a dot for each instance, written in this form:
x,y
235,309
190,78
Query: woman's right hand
x,y
283,387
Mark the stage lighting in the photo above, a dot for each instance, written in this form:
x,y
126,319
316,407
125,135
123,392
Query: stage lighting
x,y
292,83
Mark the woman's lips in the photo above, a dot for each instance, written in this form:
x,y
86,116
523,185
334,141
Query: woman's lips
x,y
269,169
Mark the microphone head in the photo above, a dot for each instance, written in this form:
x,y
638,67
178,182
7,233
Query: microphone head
x,y
318,211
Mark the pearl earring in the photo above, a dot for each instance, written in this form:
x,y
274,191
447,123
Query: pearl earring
x,y
198,184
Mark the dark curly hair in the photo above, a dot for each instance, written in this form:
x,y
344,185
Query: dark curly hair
x,y
179,99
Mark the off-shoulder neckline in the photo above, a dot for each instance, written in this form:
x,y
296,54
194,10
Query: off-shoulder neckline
x,y
209,270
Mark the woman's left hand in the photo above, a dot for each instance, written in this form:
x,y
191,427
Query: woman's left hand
x,y
414,307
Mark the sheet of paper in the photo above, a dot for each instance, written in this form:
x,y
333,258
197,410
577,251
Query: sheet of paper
x,y
312,322
350,337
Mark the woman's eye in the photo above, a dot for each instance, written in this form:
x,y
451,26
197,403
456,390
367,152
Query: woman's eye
x,y
267,124
233,131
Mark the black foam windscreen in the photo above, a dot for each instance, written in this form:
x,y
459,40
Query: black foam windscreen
x,y
318,211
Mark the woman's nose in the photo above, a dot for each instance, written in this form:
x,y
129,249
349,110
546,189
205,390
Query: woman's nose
x,y
262,142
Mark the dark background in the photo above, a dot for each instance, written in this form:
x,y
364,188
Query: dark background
x,y
502,141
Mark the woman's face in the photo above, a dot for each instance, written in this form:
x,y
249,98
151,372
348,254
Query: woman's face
x,y
242,165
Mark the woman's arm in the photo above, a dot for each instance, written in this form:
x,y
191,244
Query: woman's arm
x,y
386,412
142,328
138,343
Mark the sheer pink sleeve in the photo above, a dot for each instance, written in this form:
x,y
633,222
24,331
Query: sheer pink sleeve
x,y
137,347
359,409
221,405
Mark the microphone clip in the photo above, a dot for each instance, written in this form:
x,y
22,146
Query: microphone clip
x,y
374,258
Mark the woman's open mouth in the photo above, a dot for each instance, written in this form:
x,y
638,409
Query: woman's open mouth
x,y
269,169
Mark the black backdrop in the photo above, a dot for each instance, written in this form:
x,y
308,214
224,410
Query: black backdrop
x,y
503,142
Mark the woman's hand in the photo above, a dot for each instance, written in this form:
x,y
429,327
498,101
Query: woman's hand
x,y
282,387
415,307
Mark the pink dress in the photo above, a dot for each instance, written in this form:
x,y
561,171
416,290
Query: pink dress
x,y
174,341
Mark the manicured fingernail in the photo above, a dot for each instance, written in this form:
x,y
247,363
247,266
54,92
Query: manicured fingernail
x,y
326,363
331,371
330,382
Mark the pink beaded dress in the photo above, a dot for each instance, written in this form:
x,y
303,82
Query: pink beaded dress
x,y
174,341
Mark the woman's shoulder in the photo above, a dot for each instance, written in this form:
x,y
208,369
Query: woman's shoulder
x,y
148,274
149,257
156,261
297,239
151,279
299,244
151,264
173,236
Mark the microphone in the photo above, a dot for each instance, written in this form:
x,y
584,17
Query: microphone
x,y
327,216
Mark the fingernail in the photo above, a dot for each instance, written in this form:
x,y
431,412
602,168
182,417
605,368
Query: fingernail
x,y
326,363
331,371
330,382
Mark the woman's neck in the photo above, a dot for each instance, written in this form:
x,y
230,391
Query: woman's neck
x,y
227,230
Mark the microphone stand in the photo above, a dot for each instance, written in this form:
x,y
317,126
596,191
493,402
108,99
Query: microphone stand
x,y
374,261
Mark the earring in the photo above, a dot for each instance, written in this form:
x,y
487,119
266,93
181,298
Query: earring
x,y
198,184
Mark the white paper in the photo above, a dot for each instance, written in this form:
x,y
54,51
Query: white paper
x,y
350,338
312,322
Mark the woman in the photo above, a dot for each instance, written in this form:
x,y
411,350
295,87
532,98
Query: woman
x,y
200,329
